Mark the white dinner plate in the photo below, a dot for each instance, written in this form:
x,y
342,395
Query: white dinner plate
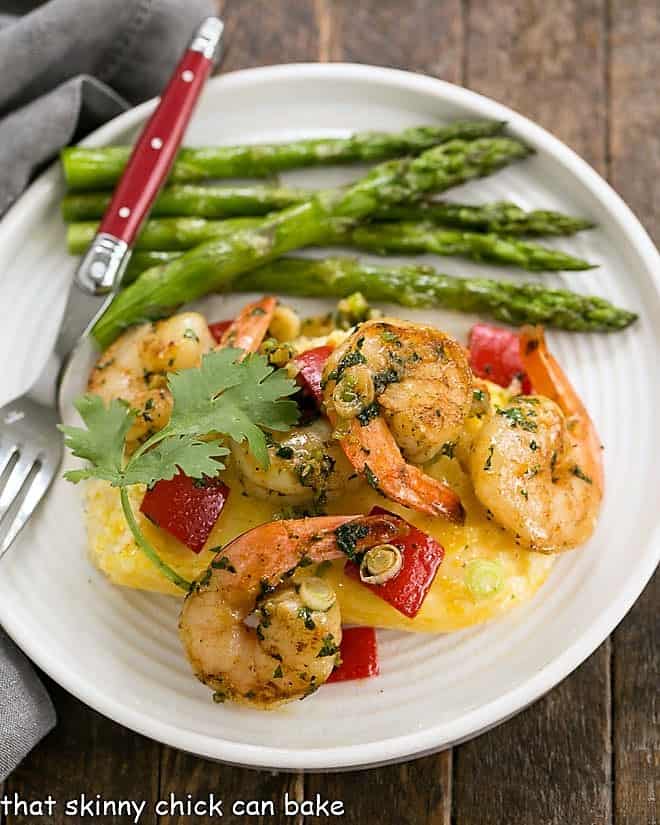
x,y
118,650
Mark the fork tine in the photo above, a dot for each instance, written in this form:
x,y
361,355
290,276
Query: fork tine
x,y
6,456
17,477
33,496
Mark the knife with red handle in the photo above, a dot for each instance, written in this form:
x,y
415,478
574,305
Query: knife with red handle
x,y
149,164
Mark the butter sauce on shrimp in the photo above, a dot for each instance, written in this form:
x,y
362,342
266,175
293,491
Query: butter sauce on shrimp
x,y
536,463
397,392
292,651
135,366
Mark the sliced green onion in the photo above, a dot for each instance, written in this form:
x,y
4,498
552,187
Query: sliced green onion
x,y
353,392
380,564
484,578
316,594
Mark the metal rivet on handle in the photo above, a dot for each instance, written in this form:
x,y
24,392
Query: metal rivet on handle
x,y
124,212
156,143
187,76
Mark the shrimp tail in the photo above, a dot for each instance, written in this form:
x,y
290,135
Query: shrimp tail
x,y
425,494
250,326
549,379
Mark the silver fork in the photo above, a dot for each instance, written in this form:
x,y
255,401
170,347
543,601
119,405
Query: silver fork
x,y
31,447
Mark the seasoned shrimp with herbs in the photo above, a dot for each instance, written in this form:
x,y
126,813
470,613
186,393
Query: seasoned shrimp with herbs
x,y
536,463
292,650
305,464
396,392
135,367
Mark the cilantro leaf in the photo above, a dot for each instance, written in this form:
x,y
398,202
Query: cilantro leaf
x,y
233,397
102,443
196,458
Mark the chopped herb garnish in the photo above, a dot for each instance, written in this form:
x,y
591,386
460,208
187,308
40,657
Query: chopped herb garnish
x,y
448,449
489,460
283,451
305,614
329,648
518,418
278,673
223,563
369,413
372,478
348,536
351,359
579,473
384,378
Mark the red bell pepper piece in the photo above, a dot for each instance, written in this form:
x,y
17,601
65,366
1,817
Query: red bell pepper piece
x,y
186,507
422,555
218,329
495,355
310,370
359,655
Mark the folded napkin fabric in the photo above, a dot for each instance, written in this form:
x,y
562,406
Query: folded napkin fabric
x,y
67,66
26,712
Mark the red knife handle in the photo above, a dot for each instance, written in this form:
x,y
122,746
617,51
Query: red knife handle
x,y
155,151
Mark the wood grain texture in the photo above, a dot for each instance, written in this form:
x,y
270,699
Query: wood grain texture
x,y
547,60
86,753
634,170
552,763
183,775
260,32
634,47
411,794
636,715
421,35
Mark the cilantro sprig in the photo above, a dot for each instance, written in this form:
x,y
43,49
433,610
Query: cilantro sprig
x,y
224,397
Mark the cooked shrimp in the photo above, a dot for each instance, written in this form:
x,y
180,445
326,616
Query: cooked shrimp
x,y
134,367
396,386
306,463
250,326
292,650
536,464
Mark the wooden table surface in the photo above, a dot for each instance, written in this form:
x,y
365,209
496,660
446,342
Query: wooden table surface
x,y
587,70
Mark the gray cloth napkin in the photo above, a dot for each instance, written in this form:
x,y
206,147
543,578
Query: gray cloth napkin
x,y
70,65
66,67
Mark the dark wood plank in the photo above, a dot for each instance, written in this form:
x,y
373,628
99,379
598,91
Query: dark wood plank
x,y
421,35
182,774
548,766
636,716
410,794
634,113
546,60
260,32
552,763
635,166
87,753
